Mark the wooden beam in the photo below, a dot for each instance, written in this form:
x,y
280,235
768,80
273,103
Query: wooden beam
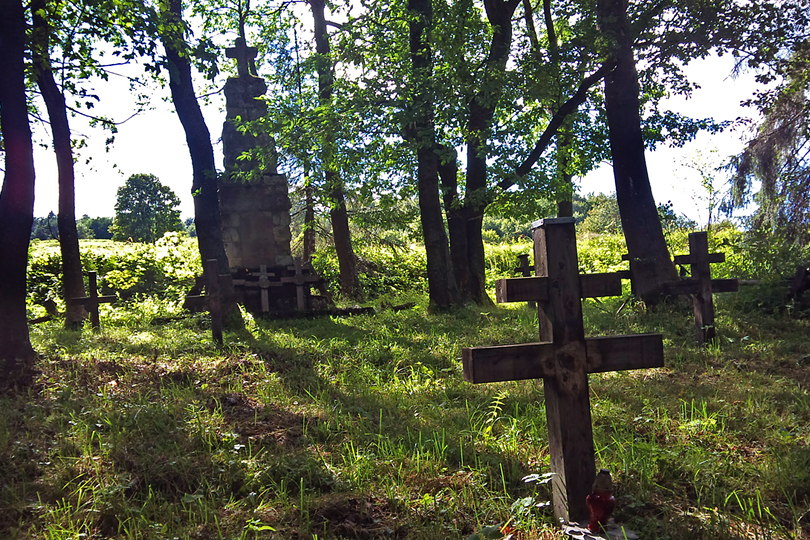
x,y
603,284
620,353
508,362
536,360
525,289
522,289
710,258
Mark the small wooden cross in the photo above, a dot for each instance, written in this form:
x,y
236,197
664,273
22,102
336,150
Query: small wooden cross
x,y
92,300
701,285
264,284
564,357
244,56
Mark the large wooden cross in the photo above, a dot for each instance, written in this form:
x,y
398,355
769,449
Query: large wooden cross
x,y
564,357
244,56
92,300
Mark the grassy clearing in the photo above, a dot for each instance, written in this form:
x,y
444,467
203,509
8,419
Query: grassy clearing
x,y
362,427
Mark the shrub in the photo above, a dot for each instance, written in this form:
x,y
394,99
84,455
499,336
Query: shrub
x,y
165,269
381,269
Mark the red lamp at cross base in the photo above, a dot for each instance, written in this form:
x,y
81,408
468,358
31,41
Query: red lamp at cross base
x,y
600,501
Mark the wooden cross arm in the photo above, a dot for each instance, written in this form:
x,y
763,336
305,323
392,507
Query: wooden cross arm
x,y
256,284
526,289
536,360
85,299
301,280
692,286
710,258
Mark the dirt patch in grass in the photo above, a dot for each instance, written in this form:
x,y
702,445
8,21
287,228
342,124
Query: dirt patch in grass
x,y
353,516
256,422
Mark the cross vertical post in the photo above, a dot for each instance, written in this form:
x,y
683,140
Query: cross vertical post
x,y
214,294
702,303
264,285
568,409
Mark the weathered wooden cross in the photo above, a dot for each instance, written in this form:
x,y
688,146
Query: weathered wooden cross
x,y
92,300
264,285
244,56
700,286
564,357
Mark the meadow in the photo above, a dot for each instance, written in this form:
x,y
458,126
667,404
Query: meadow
x,y
363,427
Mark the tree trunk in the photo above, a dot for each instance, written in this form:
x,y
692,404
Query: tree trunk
x,y
421,131
309,219
456,221
640,222
338,214
72,279
16,200
207,218
481,111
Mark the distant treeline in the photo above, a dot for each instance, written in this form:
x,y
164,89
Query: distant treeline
x,y
46,228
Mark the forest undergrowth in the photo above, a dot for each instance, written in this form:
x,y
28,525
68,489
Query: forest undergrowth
x,y
363,427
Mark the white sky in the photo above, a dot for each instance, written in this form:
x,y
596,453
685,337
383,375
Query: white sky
x,y
671,176
154,142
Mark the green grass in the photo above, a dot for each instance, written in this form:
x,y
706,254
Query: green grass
x,y
362,427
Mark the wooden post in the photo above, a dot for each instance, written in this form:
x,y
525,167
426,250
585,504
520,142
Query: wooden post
x,y
563,358
214,295
264,285
525,270
92,300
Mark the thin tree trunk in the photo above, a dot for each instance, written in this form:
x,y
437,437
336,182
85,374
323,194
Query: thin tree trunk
x,y
456,221
338,214
16,199
421,131
309,219
72,279
207,218
481,111
640,222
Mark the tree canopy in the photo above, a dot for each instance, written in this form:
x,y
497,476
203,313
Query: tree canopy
x,y
145,210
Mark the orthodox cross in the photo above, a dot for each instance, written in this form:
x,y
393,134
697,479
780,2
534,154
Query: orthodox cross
x,y
244,56
564,357
92,300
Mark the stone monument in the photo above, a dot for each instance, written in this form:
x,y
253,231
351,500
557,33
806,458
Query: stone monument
x,y
254,202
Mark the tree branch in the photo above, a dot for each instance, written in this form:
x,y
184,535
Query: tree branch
x,y
566,109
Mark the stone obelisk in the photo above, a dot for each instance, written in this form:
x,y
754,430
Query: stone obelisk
x,y
254,199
